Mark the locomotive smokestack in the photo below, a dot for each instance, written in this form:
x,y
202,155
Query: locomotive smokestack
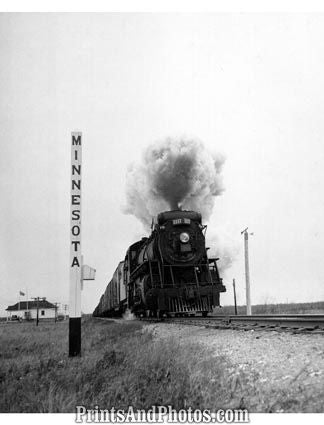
x,y
175,206
174,174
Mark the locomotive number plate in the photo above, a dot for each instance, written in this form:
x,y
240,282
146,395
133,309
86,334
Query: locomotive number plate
x,y
178,221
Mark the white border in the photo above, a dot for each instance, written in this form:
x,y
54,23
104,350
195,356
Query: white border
x,y
178,6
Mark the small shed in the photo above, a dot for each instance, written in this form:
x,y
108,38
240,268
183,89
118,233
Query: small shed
x,y
27,310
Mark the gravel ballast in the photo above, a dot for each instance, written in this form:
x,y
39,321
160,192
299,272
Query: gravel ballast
x,y
287,369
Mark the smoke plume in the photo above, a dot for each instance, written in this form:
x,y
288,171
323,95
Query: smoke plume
x,y
174,173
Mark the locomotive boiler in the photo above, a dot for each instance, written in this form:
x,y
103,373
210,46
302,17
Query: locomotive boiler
x,y
167,273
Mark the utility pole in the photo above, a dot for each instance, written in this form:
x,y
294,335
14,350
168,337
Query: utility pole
x,y
56,307
235,305
37,305
27,305
65,311
247,271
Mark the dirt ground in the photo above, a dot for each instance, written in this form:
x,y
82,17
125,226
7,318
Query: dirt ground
x,y
283,363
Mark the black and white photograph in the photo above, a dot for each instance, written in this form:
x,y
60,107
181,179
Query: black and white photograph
x,y
162,216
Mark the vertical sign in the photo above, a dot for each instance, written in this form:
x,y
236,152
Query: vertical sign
x,y
75,248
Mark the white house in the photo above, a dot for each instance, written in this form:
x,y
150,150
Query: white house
x,y
28,310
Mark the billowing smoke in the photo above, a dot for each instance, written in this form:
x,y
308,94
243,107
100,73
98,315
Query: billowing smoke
x,y
174,173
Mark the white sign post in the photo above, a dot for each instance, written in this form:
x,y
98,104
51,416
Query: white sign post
x,y
75,248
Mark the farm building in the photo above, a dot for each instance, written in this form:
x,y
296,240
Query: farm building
x,y
28,310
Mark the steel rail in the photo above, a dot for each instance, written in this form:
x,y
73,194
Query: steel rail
x,y
280,322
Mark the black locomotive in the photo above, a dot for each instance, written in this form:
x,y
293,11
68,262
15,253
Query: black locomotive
x,y
168,273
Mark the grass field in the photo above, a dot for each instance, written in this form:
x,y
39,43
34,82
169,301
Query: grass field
x,y
121,365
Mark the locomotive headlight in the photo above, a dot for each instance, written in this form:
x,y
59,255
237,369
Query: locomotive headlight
x,y
184,237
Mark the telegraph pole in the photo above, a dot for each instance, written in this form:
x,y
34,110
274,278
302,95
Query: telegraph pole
x,y
56,307
65,311
247,271
27,305
234,290
37,306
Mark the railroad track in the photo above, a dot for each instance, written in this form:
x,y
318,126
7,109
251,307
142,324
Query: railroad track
x,y
301,323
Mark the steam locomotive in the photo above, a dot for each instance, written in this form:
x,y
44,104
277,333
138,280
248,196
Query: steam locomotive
x,y
167,273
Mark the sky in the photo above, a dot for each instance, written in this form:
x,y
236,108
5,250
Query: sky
x,y
249,86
